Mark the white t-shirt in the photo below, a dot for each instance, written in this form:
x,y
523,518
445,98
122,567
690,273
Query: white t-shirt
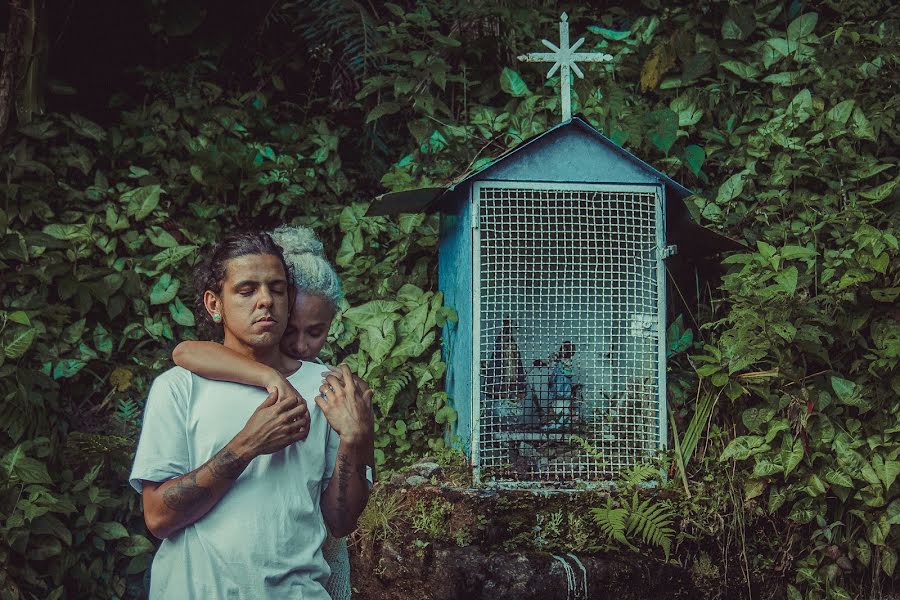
x,y
263,539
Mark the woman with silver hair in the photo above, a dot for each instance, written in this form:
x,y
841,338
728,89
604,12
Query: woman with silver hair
x,y
316,300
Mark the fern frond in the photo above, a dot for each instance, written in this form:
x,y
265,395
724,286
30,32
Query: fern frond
x,y
612,522
345,26
588,448
127,411
637,475
393,385
651,520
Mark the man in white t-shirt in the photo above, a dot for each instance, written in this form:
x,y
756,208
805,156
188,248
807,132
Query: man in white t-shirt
x,y
239,484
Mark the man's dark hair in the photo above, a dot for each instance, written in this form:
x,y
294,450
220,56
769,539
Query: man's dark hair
x,y
210,273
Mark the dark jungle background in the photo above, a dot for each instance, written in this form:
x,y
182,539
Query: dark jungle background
x,y
134,134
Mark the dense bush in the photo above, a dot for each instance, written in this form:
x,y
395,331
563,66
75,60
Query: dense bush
x,y
781,116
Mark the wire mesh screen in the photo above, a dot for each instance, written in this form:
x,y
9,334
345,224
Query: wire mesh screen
x,y
568,349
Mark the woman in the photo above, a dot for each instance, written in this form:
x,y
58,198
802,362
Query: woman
x,y
317,295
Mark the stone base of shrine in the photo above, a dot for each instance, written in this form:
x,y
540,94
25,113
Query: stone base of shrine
x,y
426,538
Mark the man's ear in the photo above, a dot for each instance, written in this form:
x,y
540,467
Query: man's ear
x,y
213,306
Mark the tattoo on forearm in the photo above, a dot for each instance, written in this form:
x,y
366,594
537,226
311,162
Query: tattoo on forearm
x,y
186,495
343,481
227,465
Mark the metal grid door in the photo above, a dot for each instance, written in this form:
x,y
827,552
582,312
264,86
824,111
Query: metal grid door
x,y
569,374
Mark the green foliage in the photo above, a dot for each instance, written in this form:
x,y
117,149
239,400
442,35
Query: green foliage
x,y
379,520
781,116
647,521
432,518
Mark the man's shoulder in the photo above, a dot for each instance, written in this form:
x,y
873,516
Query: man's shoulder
x,y
175,382
175,376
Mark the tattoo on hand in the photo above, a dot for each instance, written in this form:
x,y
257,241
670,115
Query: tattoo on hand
x,y
186,494
227,465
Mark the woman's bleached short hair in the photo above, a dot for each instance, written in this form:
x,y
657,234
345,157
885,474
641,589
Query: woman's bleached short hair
x,y
305,255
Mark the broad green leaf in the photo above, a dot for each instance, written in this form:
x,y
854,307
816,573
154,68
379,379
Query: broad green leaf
x,y
787,279
164,289
139,564
110,530
765,467
181,314
160,237
838,477
135,545
68,232
792,252
610,34
802,26
742,70
20,317
731,30
844,388
378,341
444,40
86,128
662,128
373,313
742,448
888,561
777,497
790,459
861,127
841,111
511,83
878,531
409,294
197,173
863,551
445,415
73,332
103,341
171,256
783,78
754,418
731,189
881,192
785,330
801,107
887,470
696,66
694,156
141,201
68,367
754,488
28,470
19,343
803,512
115,221
383,109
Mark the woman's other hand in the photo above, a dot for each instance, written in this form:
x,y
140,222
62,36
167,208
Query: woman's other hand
x,y
286,393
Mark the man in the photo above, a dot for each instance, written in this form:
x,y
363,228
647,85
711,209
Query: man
x,y
241,491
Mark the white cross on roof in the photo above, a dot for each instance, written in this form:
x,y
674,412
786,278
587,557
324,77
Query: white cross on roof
x,y
564,58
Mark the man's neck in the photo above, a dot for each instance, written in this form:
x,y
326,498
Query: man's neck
x,y
267,355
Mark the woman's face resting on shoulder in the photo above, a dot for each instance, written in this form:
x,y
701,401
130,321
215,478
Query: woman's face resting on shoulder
x,y
308,327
